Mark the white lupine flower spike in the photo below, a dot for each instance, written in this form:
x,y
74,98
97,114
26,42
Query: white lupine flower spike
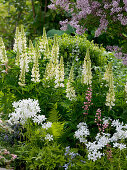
x,y
3,56
110,98
59,74
35,70
70,92
86,70
43,41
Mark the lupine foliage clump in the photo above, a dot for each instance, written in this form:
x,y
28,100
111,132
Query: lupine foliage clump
x,y
51,87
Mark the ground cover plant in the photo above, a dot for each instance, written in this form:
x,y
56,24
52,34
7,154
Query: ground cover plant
x,y
63,104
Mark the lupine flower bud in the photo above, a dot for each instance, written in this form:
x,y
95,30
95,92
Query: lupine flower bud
x,y
86,71
70,92
3,56
43,41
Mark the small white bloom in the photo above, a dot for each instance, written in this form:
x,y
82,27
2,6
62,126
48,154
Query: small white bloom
x,y
47,125
119,145
39,119
49,137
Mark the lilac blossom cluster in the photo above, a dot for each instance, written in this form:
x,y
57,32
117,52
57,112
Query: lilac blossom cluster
x,y
118,53
107,11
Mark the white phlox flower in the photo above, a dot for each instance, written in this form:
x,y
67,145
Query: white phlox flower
x,y
47,125
39,119
49,137
82,132
24,109
119,145
95,148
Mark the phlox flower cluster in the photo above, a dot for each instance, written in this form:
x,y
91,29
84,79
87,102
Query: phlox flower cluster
x,y
102,140
82,132
24,109
3,56
28,109
88,103
70,92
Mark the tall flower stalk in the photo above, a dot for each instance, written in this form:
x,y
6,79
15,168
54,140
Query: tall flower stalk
x,y
55,51
22,72
86,71
35,70
59,77
49,72
110,98
70,92
43,41
3,56
88,103
20,40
